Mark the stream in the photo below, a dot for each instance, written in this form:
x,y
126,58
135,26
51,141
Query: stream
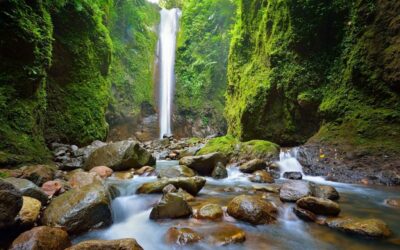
x,y
131,215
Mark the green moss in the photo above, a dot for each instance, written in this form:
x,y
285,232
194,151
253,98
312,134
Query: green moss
x,y
225,145
3,175
194,140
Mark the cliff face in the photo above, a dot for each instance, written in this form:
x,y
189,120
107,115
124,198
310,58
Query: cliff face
x,y
324,69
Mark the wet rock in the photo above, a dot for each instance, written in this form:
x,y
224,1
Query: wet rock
x,y
28,188
203,164
226,234
52,188
267,189
252,166
219,171
175,171
122,244
80,210
319,205
210,212
324,191
10,203
371,228
252,209
38,174
40,238
171,206
102,171
304,214
169,189
191,184
294,190
123,175
261,176
393,202
293,175
80,179
185,195
30,210
145,171
182,236
121,155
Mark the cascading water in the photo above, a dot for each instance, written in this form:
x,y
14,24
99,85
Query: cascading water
x,y
169,27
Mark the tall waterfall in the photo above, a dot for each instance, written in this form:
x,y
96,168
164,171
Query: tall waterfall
x,y
166,52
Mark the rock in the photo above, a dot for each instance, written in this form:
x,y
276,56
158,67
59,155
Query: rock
x,y
261,176
294,190
121,244
55,187
210,212
30,210
28,188
38,174
121,155
393,202
268,189
171,206
371,228
304,214
203,164
123,175
319,205
80,179
175,171
80,210
252,166
182,236
145,171
324,191
293,175
40,238
185,195
102,171
226,234
169,189
190,184
219,171
10,203
252,209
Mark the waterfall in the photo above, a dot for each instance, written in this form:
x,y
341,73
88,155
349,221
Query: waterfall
x,y
169,26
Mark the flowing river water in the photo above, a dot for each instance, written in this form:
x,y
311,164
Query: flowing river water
x,y
131,215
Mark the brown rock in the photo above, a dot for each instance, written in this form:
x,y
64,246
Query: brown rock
x,y
210,212
185,195
267,189
80,179
52,188
123,175
171,206
193,185
10,203
252,166
226,234
319,205
102,171
252,209
175,171
203,164
145,171
182,236
324,191
393,202
294,190
261,176
169,189
30,210
122,244
38,174
40,238
304,214
371,228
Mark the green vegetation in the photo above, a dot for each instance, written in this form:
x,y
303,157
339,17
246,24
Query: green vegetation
x,y
202,54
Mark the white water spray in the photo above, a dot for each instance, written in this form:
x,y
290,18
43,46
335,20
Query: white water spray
x,y
169,27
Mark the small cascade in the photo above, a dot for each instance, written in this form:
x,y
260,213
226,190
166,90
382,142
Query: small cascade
x,y
288,161
169,27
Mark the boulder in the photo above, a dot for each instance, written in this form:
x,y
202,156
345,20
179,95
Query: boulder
x,y
121,244
10,203
28,188
319,205
56,187
182,236
210,212
80,210
225,234
371,228
219,171
393,202
123,175
169,189
30,210
325,191
119,156
38,174
175,171
203,164
261,176
294,190
102,171
293,175
171,206
80,179
145,171
190,184
304,214
185,195
252,166
40,238
252,209
267,189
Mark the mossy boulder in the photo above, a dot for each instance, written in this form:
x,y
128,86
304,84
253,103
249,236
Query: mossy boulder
x,y
203,164
370,228
119,156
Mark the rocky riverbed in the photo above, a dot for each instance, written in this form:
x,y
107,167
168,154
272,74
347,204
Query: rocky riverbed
x,y
163,194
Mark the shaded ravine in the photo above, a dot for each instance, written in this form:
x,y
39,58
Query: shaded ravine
x,y
131,216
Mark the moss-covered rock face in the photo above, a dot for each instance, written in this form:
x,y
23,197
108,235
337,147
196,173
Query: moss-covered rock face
x,y
25,48
296,68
